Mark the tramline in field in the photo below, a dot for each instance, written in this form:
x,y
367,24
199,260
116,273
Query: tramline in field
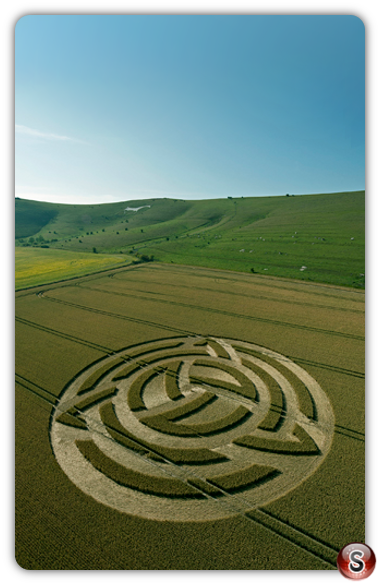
x,y
213,411
228,414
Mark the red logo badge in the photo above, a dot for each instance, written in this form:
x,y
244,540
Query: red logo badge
x,y
356,561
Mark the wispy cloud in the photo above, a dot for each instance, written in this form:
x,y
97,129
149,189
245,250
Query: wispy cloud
x,y
45,135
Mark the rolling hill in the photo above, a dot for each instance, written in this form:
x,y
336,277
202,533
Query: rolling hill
x,y
308,237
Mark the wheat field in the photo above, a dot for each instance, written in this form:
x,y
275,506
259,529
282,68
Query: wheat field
x,y
158,405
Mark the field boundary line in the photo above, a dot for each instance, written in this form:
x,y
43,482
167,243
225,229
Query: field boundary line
x,y
336,369
261,277
116,316
71,278
361,437
109,351
158,369
310,547
219,312
36,393
174,473
256,518
250,296
298,529
240,261
64,335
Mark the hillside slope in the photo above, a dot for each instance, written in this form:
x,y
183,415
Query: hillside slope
x,y
32,216
308,237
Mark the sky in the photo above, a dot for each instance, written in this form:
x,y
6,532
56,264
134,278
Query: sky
x,y
128,107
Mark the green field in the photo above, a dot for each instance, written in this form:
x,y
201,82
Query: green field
x,y
87,346
316,238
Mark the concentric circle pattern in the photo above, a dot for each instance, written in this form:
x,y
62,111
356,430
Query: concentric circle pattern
x,y
191,428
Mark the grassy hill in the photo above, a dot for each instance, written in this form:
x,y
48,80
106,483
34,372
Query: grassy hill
x,y
31,216
310,237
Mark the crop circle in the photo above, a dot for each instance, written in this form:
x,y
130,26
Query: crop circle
x,y
191,428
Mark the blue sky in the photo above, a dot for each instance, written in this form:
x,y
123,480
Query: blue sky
x,y
130,107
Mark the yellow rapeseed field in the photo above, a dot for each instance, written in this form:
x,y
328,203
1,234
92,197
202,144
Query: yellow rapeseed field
x,y
41,265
